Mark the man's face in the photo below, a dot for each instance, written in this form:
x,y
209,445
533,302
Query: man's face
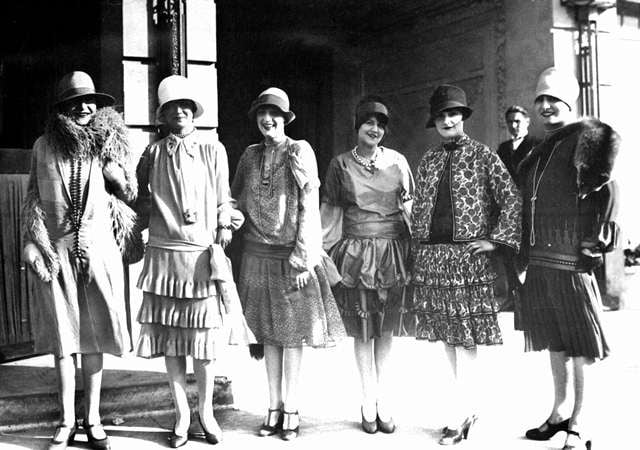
x,y
80,109
517,124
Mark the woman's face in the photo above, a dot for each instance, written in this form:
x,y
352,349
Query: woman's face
x,y
449,124
178,115
371,132
270,122
80,110
552,111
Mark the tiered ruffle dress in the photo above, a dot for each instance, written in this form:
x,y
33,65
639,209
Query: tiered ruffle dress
x,y
365,214
189,304
277,190
463,193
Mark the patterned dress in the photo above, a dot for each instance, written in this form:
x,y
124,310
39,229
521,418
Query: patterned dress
x,y
184,194
366,207
277,189
463,193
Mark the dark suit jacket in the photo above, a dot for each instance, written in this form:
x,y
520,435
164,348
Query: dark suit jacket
x,y
512,159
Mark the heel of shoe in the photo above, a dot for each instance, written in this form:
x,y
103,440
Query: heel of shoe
x,y
468,423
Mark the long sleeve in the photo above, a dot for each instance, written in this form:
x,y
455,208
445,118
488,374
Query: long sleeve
x,y
606,233
408,190
508,228
223,190
308,245
143,202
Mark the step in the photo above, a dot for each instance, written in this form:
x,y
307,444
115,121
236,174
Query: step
x,y
28,398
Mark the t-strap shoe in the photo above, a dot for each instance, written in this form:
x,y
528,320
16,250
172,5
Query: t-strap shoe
x,y
97,444
272,423
288,433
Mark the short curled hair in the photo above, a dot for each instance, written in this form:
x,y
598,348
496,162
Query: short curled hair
x,y
515,109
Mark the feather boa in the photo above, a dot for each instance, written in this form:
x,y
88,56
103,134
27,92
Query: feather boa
x,y
105,137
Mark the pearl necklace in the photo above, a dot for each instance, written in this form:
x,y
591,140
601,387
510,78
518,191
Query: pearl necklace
x,y
369,164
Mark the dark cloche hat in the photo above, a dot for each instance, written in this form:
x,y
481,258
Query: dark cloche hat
x,y
444,97
79,84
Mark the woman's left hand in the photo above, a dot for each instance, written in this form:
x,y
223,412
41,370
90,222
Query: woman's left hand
x,y
480,246
223,237
301,279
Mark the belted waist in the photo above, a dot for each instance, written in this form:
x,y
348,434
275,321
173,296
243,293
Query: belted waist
x,y
391,229
553,260
267,250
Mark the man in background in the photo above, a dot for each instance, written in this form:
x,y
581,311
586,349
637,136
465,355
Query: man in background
x,y
514,150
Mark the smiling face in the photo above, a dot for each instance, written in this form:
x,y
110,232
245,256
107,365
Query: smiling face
x,y
371,132
178,115
553,112
270,121
517,124
80,109
449,124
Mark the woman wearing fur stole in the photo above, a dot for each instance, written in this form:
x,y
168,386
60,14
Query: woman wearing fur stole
x,y
76,222
569,210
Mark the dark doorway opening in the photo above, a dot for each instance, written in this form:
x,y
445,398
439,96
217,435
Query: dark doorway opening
x,y
256,51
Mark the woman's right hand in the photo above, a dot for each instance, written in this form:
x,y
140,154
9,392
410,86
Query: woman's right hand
x,y
299,279
32,256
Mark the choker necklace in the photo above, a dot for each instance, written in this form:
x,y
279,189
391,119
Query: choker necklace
x,y
369,164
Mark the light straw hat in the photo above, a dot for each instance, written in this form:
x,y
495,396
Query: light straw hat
x,y
559,84
273,96
176,87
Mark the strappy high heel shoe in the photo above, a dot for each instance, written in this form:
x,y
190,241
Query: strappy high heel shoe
x,y
577,441
288,433
63,438
97,444
453,437
176,440
266,429
211,438
547,430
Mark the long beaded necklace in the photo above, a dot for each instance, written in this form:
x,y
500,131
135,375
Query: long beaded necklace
x,y
535,185
369,164
75,189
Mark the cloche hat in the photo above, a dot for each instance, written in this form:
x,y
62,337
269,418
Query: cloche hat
x,y
79,84
447,96
559,84
176,87
273,96
371,106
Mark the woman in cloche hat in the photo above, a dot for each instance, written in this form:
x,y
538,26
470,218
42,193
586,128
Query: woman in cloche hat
x,y
466,205
365,211
189,299
284,281
569,217
76,222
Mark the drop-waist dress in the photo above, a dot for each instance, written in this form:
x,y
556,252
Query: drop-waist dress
x,y
277,190
189,306
365,213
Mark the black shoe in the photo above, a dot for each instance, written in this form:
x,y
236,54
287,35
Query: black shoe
x,y
97,444
62,438
536,434
211,438
289,434
270,430
386,427
453,437
175,440
368,427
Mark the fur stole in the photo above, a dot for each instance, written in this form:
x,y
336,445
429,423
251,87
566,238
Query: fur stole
x,y
104,138
597,146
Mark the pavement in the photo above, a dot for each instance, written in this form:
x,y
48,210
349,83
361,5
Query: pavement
x,y
516,394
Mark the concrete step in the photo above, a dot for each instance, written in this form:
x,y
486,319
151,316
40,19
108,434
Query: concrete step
x,y
28,397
